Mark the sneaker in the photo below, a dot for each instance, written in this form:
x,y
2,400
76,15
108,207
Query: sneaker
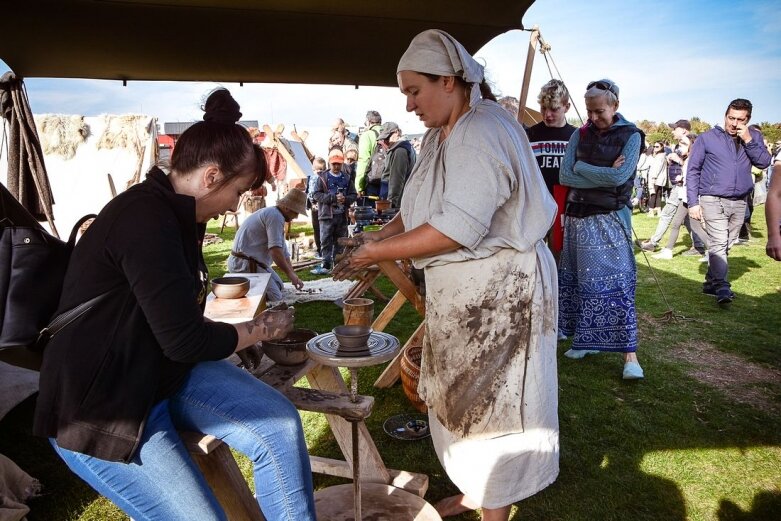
x,y
709,290
741,242
692,252
704,258
648,246
320,270
577,354
664,254
561,336
724,295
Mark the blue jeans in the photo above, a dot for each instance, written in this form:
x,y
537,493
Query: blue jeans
x,y
164,483
330,232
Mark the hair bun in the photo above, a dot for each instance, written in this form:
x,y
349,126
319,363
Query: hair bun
x,y
220,107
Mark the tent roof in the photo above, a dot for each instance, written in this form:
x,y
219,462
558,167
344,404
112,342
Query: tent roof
x,y
349,42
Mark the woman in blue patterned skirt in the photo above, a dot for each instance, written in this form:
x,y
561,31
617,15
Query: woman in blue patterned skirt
x,y
597,274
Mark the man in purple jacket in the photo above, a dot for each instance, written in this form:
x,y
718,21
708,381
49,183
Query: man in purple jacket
x,y
718,181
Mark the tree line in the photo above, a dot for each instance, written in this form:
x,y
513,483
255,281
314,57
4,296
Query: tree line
x,y
662,132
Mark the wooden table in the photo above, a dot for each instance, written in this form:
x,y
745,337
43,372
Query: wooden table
x,y
328,395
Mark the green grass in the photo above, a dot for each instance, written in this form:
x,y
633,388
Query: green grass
x,y
671,447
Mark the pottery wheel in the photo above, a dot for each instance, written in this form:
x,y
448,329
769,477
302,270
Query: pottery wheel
x,y
380,503
380,348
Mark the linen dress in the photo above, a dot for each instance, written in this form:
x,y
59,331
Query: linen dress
x,y
488,373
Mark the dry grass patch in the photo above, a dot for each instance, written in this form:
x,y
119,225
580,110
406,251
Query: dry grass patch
x,y
738,379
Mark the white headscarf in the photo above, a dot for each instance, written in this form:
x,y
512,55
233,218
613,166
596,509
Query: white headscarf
x,y
436,52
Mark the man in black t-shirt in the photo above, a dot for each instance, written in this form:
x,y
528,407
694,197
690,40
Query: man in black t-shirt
x,y
549,139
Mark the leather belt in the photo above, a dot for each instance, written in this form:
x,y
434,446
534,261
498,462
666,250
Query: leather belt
x,y
253,262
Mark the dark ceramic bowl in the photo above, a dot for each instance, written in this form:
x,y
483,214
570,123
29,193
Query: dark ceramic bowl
x,y
230,287
290,350
352,337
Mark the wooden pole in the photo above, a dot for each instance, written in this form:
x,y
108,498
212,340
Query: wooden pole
x,y
527,73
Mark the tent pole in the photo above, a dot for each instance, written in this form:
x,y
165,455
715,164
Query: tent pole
x,y
527,73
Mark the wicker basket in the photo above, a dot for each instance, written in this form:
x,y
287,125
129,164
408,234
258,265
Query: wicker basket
x,y
410,374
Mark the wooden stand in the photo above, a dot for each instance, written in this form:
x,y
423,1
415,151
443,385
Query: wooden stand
x,y
328,394
406,291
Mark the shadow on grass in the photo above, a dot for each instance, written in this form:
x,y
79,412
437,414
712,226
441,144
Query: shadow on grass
x,y
670,447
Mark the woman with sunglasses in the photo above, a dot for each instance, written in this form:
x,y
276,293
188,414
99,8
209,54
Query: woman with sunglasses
x,y
597,272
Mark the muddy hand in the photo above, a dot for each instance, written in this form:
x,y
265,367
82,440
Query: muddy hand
x,y
278,321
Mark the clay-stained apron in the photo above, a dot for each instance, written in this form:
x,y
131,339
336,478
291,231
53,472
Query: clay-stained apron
x,y
478,329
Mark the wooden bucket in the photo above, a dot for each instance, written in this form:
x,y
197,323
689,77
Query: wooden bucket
x,y
381,205
410,375
358,311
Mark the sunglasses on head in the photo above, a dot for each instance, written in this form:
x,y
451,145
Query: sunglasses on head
x,y
603,85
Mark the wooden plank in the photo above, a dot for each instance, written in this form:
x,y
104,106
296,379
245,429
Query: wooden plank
x,y
340,404
389,311
229,486
410,481
282,377
392,372
371,465
239,309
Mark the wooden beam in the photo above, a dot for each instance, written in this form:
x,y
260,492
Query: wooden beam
x,y
527,72
392,371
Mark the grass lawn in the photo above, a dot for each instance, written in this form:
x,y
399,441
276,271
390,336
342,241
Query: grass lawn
x,y
698,439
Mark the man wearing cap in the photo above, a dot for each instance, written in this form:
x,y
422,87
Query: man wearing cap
x,y
261,240
718,180
675,159
334,191
367,142
399,160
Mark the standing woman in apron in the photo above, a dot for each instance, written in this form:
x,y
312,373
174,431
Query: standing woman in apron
x,y
473,215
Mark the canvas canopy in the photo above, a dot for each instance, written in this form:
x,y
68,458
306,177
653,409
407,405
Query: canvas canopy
x,y
348,42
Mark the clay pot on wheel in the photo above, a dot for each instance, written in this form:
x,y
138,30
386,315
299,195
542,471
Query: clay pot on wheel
x,y
290,350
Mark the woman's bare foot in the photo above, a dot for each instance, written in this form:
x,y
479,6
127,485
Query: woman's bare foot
x,y
454,505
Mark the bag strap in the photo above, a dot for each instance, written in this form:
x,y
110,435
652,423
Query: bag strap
x,y
75,229
66,318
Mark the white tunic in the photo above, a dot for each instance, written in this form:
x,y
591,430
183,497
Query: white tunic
x,y
488,372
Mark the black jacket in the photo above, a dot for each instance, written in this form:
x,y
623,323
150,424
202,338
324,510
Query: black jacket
x,y
103,373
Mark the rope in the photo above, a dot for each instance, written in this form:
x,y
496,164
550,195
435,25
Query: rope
x,y
670,315
545,50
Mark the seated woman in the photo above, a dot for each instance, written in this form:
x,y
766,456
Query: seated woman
x,y
119,382
597,272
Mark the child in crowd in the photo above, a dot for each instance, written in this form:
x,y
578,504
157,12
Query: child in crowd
x,y
333,191
318,167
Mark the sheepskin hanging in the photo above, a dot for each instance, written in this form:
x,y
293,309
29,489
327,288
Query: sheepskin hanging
x,y
127,131
61,134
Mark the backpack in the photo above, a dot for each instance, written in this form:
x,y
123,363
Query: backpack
x,y
376,162
32,270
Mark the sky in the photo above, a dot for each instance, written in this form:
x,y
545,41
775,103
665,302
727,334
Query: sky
x,y
671,60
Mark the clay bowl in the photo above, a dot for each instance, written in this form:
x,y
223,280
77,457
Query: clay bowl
x,y
230,287
353,337
290,350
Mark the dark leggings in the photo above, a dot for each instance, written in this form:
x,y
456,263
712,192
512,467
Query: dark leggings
x,y
655,200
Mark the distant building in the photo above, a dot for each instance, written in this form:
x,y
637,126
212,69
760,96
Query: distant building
x,y
171,132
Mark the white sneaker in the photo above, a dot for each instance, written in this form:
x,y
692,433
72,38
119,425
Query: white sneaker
x,y
664,254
